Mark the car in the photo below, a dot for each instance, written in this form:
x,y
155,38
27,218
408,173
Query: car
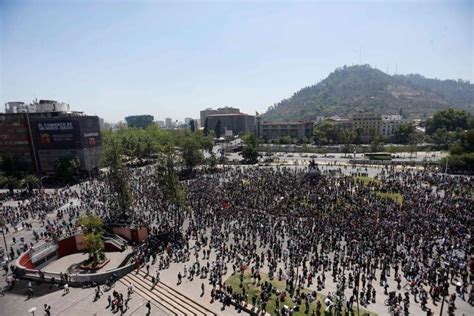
x,y
313,156
330,156
289,155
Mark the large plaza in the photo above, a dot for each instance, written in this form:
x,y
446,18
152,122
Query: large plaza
x,y
335,242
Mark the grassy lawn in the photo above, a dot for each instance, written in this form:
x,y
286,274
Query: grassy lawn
x,y
254,290
366,180
397,197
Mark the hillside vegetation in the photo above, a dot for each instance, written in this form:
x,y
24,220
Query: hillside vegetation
x,y
362,88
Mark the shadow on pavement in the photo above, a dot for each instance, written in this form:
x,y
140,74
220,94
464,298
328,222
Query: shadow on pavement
x,y
39,289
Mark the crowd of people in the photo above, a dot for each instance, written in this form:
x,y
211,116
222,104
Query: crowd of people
x,y
334,234
275,220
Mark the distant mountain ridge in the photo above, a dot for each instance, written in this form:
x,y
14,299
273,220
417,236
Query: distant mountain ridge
x,y
363,88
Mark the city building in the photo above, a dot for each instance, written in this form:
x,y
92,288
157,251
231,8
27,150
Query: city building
x,y
390,124
275,130
369,125
209,111
238,123
102,124
168,123
15,140
37,138
187,120
160,123
139,121
36,106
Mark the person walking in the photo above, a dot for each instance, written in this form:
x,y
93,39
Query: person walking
x,y
66,289
109,300
148,306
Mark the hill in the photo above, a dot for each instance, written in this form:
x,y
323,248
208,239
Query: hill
x,y
362,88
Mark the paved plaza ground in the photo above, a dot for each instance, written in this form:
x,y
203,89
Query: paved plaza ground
x,y
62,264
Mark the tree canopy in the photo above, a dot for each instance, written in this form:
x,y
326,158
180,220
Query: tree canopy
x,y
250,149
450,119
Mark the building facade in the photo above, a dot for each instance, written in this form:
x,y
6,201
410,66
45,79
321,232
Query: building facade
x,y
36,140
60,137
370,125
209,111
276,130
16,142
139,121
238,123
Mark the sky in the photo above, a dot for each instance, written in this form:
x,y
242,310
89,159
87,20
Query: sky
x,y
172,59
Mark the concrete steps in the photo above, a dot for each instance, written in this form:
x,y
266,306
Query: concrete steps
x,y
145,293
198,307
163,295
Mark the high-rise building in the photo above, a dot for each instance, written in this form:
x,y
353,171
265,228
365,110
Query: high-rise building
x,y
187,120
36,139
139,121
160,123
238,123
209,111
369,125
168,122
276,130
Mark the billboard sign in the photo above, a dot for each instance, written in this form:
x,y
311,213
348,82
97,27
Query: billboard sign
x,y
90,131
66,132
61,133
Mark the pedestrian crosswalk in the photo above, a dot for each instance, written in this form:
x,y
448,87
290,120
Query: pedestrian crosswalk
x,y
161,294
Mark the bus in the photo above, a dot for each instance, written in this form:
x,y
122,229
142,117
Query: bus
x,y
378,156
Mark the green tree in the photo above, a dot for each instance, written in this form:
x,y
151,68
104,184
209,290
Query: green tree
x,y
404,133
377,144
347,138
212,161
173,196
191,153
10,182
93,237
117,180
167,177
326,133
449,119
250,149
29,182
67,168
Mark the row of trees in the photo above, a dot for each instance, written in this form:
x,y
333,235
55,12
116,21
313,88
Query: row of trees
x,y
19,172
455,128
327,133
444,129
28,183
172,152
143,144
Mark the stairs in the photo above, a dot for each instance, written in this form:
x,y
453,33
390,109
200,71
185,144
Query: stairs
x,y
161,294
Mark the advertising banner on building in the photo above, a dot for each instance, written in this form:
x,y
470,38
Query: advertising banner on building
x,y
90,131
63,133
66,132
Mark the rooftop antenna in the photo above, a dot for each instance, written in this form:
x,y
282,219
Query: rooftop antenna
x,y
396,69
